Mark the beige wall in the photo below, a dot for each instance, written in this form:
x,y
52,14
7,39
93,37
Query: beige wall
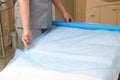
x,y
69,5
79,10
74,7
97,11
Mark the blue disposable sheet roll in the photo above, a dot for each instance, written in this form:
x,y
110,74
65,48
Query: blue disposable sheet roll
x,y
86,26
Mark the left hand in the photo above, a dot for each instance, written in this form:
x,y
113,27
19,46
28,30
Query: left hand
x,y
68,18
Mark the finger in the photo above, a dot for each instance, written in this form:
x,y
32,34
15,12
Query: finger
x,y
67,21
27,40
25,43
71,19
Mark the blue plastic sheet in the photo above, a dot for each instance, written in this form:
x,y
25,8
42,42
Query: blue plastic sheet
x,y
87,26
92,50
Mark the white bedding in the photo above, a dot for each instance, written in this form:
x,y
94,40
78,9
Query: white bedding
x,y
68,54
26,71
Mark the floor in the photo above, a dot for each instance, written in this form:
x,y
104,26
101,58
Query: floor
x,y
9,52
4,62
1,64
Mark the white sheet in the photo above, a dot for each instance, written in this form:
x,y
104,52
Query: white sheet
x,y
68,54
24,70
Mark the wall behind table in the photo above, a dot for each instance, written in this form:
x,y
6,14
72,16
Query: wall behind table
x,y
69,5
97,11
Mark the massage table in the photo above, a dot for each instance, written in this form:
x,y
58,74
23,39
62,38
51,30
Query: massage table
x,y
74,51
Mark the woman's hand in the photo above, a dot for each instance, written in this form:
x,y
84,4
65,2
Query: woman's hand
x,y
64,13
68,18
24,8
26,38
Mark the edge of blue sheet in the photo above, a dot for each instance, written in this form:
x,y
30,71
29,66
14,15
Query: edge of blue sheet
x,y
89,26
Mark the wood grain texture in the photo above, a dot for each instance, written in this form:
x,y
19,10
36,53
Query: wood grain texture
x,y
80,10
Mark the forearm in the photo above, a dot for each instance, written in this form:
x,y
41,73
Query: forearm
x,y
59,6
25,14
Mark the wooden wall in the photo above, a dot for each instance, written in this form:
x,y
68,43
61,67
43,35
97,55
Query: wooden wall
x,y
69,5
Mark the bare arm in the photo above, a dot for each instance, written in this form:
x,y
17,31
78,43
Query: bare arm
x,y
62,10
24,13
25,18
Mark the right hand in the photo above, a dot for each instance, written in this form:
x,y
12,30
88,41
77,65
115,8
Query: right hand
x,y
26,38
68,18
